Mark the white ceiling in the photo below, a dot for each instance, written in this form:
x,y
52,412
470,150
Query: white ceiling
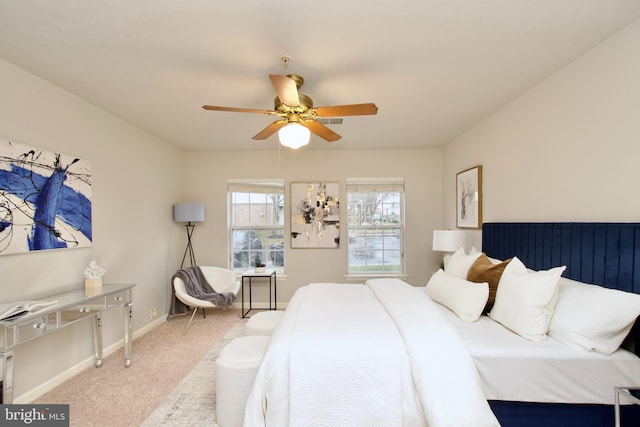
x,y
433,67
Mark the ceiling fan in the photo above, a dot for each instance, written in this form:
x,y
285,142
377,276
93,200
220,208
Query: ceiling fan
x,y
297,115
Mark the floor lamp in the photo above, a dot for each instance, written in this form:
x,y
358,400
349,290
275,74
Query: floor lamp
x,y
189,213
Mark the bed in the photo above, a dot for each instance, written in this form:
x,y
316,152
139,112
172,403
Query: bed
x,y
386,353
605,254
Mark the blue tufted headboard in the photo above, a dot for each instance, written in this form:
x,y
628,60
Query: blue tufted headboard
x,y
601,253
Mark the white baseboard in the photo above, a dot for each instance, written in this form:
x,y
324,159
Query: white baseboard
x,y
50,384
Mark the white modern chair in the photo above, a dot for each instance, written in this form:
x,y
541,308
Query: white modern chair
x,y
221,279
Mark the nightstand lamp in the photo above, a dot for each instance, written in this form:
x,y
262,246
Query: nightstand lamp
x,y
449,240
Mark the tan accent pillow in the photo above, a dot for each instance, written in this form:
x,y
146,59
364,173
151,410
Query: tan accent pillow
x,y
483,270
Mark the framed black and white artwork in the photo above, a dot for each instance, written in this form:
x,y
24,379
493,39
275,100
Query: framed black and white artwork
x,y
469,198
315,215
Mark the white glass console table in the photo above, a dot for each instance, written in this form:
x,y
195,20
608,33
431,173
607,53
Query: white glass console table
x,y
71,306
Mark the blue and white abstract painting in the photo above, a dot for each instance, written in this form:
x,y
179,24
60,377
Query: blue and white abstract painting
x,y
45,200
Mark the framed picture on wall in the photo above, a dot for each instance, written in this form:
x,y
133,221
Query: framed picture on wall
x,y
469,198
315,215
45,199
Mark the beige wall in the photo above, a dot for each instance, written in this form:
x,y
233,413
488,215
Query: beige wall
x,y
207,174
567,150
136,178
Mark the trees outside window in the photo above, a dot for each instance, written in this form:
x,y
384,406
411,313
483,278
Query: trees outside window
x,y
375,226
256,224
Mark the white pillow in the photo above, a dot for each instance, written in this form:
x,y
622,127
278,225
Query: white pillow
x,y
593,317
525,300
495,261
459,263
465,299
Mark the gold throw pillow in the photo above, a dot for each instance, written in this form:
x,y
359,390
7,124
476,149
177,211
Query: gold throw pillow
x,y
483,270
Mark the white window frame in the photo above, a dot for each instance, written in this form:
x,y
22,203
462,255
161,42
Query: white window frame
x,y
274,258
388,243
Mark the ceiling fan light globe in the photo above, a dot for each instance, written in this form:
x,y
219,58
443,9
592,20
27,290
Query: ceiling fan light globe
x,y
294,135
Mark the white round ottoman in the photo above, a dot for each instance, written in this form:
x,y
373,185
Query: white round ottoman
x,y
263,323
236,369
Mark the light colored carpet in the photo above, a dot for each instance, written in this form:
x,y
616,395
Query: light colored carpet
x,y
117,396
193,401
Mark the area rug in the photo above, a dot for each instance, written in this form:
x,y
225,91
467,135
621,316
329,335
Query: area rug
x,y
193,401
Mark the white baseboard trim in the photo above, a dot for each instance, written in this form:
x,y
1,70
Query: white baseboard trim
x,y
50,384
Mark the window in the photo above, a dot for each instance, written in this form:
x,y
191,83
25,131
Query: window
x,y
375,226
256,223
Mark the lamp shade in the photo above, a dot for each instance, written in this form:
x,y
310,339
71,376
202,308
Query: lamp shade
x,y
294,135
448,240
188,212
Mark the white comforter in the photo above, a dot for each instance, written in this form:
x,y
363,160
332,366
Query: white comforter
x,y
378,354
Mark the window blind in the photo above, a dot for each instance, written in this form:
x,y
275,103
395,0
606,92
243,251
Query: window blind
x,y
375,185
262,187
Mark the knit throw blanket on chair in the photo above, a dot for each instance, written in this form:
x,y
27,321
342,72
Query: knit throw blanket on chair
x,y
197,286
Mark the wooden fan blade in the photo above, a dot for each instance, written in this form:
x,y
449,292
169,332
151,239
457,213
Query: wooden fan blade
x,y
270,130
347,110
322,131
286,89
235,110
